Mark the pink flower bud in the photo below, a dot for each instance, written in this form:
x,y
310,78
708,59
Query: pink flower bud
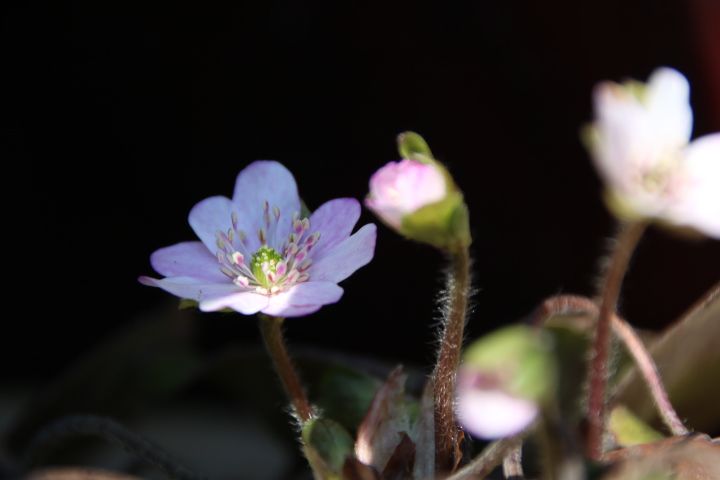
x,y
401,188
488,412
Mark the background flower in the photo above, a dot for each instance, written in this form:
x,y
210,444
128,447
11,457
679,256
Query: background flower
x,y
639,142
258,254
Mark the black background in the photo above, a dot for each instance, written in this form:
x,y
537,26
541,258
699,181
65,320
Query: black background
x,y
121,115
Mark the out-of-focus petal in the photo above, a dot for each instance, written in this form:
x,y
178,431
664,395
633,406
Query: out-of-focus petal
x,y
334,220
491,414
266,181
346,257
210,216
699,205
303,298
668,105
187,259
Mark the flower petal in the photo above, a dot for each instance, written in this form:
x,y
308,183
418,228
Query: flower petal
x,y
210,216
491,414
187,259
346,257
266,181
192,288
700,206
303,298
334,220
668,104
246,303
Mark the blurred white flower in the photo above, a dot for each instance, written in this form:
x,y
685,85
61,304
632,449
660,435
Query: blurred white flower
x,y
640,145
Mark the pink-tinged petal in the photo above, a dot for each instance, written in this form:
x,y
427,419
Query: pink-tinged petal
x,y
210,216
401,188
699,207
334,220
192,288
491,414
668,104
342,260
266,181
303,298
187,259
246,303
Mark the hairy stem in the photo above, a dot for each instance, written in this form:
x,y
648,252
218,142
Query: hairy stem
x,y
627,240
576,304
271,329
447,435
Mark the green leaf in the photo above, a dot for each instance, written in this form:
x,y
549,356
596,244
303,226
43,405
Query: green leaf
x,y
327,441
345,394
688,358
629,430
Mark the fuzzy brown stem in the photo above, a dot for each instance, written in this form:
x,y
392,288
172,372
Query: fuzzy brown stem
x,y
576,304
271,329
447,435
512,463
627,240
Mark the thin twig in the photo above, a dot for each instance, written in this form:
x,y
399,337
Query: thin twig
x,y
447,435
512,463
111,431
576,304
492,456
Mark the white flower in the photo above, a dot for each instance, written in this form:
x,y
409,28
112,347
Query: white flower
x,y
640,146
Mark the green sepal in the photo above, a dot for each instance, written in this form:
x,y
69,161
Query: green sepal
x,y
520,358
444,224
414,147
327,445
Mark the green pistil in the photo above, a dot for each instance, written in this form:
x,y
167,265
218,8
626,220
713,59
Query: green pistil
x,y
264,256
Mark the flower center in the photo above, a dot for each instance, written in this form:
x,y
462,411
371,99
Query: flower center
x,y
664,178
276,265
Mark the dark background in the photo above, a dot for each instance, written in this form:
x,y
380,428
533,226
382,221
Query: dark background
x,y
121,115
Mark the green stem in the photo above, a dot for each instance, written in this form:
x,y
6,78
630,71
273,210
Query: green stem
x,y
271,329
627,240
447,435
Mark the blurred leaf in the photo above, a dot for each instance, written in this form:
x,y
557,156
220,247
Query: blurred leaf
x,y
401,462
688,357
628,430
77,473
149,361
327,441
676,458
354,469
345,394
387,419
423,434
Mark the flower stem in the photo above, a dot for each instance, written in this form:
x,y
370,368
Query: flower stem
x,y
271,329
447,435
627,240
512,463
575,304
492,456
